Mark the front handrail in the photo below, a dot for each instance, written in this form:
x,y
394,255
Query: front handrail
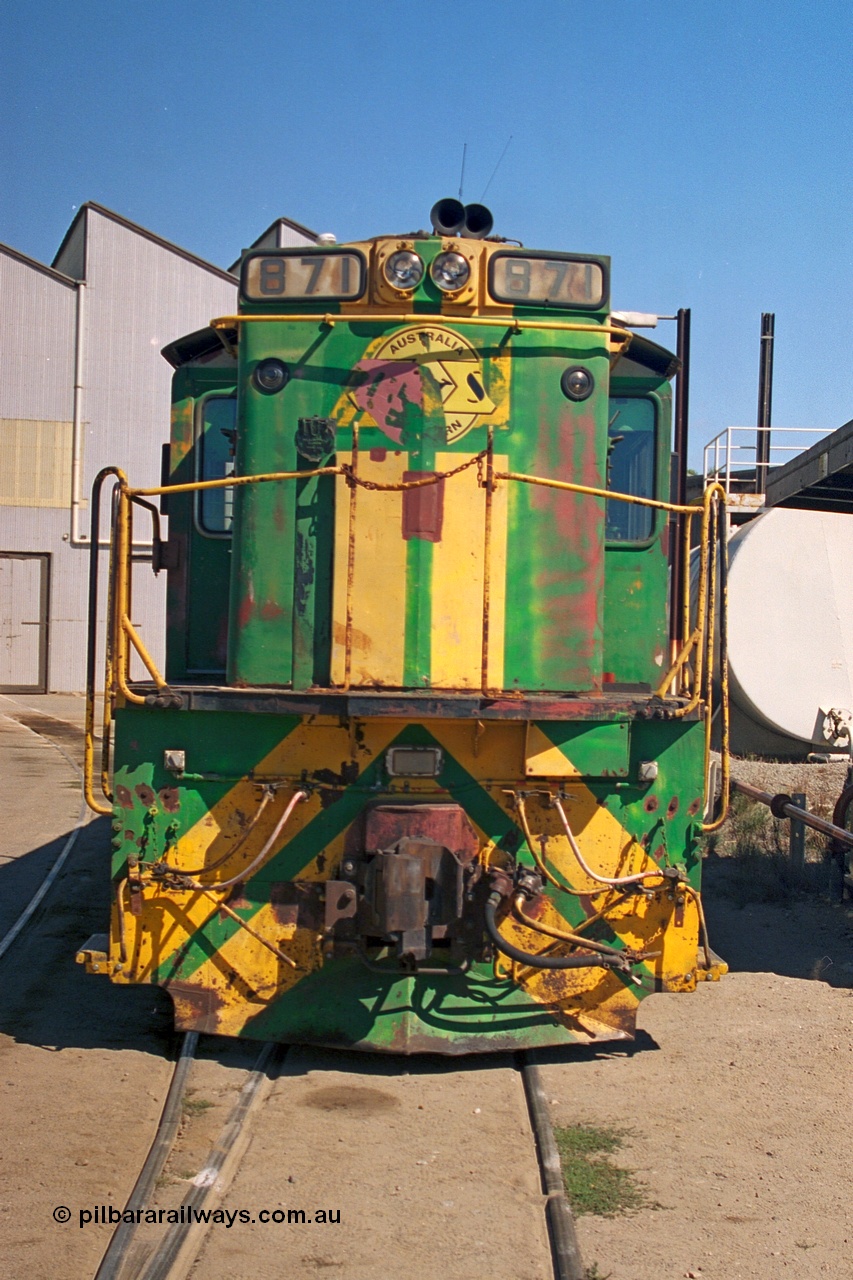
x,y
687,686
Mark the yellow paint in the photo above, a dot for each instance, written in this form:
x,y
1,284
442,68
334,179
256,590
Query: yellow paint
x,y
244,975
543,760
379,578
457,582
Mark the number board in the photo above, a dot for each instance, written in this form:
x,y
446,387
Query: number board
x,y
303,276
543,280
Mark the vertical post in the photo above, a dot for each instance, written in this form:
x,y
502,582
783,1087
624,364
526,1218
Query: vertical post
x,y
487,562
353,497
765,399
797,845
679,486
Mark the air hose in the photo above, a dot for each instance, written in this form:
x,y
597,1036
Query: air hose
x,y
538,961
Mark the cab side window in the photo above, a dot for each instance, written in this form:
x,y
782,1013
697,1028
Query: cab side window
x,y
631,453
216,437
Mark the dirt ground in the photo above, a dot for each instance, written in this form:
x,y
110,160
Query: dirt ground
x,y
733,1099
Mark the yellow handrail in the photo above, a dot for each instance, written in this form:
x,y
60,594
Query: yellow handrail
x,y
122,636
332,318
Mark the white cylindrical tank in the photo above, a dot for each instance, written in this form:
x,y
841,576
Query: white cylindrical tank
x,y
791,633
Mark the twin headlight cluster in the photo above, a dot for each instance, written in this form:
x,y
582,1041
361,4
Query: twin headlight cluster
x,y
405,270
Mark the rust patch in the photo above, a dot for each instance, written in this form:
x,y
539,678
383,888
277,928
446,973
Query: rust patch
x,y
536,908
146,795
196,1008
360,639
124,797
443,824
651,803
170,799
354,1099
672,807
694,807
294,902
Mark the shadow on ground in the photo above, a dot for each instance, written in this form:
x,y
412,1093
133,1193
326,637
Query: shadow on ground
x,y
795,934
46,998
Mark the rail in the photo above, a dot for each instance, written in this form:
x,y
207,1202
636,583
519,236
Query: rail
x,y
688,683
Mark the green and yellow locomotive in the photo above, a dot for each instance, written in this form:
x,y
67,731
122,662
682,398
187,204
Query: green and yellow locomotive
x,y
428,766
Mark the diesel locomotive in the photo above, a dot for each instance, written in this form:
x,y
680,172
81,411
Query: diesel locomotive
x,y
428,766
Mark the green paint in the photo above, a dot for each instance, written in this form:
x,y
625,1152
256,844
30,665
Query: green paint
x,y
596,750
312,597
418,644
636,638
397,1014
198,582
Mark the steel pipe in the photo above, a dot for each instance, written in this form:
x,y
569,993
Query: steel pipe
x,y
781,806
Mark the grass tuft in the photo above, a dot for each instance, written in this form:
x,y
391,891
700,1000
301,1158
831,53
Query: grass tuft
x,y
754,846
593,1183
195,1106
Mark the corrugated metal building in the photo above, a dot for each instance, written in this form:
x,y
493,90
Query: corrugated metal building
x,y
84,385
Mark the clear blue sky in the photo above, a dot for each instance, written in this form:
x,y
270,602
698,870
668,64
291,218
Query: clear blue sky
x,y
704,144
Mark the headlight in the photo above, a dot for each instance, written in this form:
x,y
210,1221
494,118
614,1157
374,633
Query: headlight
x,y
577,383
404,270
450,271
271,375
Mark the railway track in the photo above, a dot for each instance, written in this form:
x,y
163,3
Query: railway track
x,y
235,1169
171,1252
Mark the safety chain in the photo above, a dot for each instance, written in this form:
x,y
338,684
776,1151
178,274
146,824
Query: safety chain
x,y
354,478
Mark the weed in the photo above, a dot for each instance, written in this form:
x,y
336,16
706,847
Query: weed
x,y
591,1272
593,1183
195,1107
755,847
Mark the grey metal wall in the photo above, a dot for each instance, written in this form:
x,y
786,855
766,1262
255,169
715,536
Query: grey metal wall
x,y
139,293
37,308
36,340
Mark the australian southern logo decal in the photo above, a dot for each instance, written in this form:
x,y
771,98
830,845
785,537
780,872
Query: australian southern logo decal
x,y
424,380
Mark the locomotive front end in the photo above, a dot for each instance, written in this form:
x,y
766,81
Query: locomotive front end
x,y
424,772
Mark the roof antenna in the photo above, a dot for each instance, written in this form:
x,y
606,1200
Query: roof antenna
x,y
462,174
497,166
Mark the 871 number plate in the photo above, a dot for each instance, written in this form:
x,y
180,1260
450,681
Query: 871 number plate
x,y
554,281
303,276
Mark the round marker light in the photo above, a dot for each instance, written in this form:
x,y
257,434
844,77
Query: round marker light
x,y
450,271
271,375
577,383
404,269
